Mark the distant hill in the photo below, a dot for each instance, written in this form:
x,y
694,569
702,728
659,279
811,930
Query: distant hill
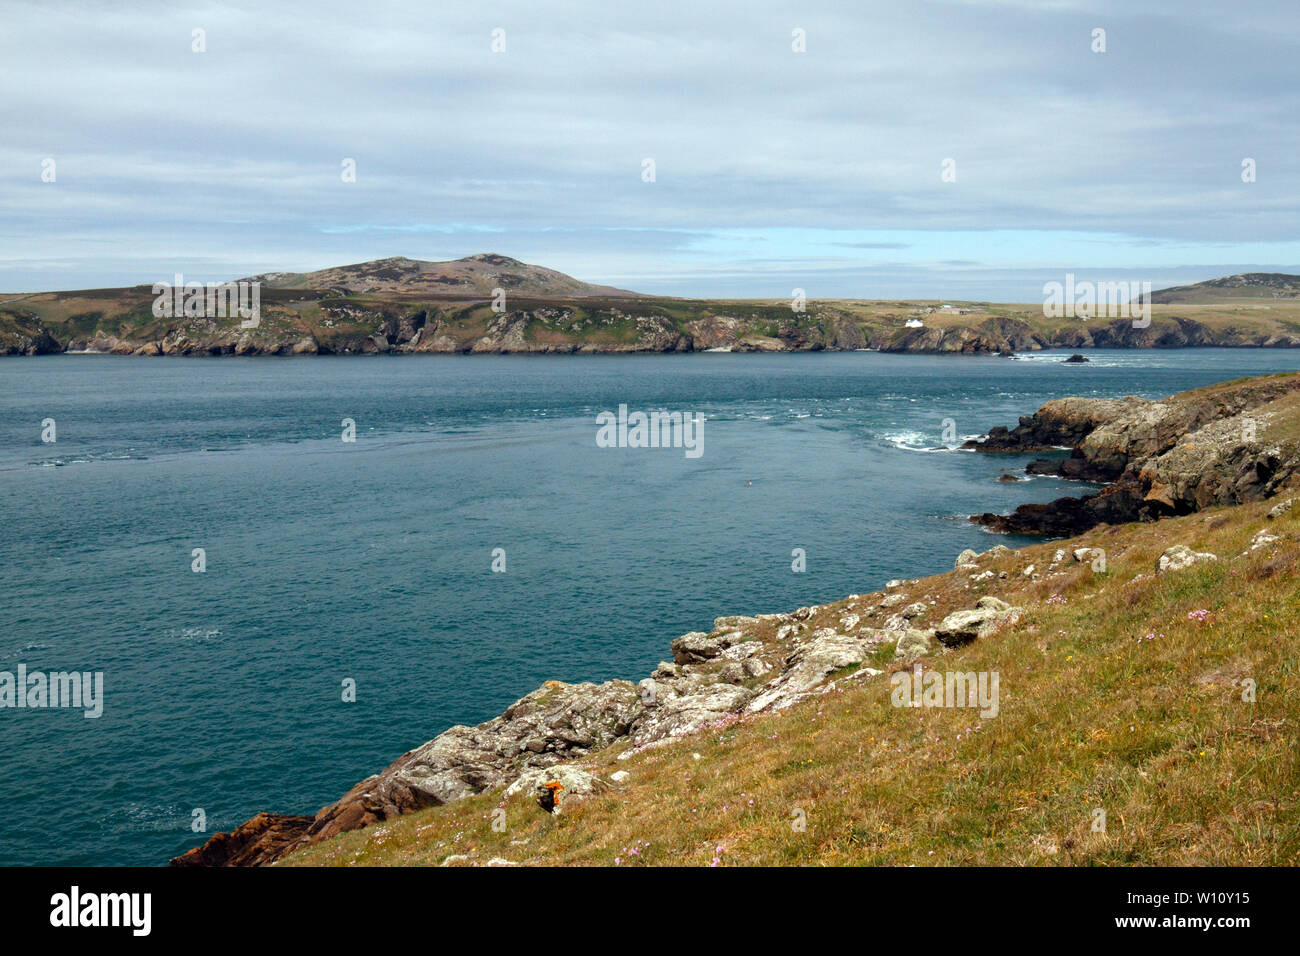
x,y
474,275
403,305
1248,285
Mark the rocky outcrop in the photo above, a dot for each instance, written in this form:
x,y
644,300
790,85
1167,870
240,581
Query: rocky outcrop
x,y
1226,444
1063,422
261,840
22,333
989,615
744,666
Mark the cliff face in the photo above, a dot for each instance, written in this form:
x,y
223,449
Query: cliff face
x,y
1005,334
1228,444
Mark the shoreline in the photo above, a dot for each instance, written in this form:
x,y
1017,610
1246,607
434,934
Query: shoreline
x,y
748,666
587,350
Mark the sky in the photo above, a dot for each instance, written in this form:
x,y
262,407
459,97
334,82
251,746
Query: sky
x,y
956,149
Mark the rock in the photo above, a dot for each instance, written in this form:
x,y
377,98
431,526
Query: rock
x,y
810,666
962,627
1280,509
1063,422
1180,556
571,720
555,786
685,710
733,623
968,556
667,671
1082,554
500,861
697,646
913,611
256,842
892,600
1262,539
1076,359
1182,454
737,672
912,644
619,776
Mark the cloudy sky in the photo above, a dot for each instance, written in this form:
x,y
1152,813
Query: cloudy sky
x,y
773,169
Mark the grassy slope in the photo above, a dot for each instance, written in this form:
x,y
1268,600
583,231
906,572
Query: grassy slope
x,y
1153,731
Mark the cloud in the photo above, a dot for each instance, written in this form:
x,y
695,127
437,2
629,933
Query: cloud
x,y
234,155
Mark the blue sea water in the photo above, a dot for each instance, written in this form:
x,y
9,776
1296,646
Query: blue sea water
x,y
371,560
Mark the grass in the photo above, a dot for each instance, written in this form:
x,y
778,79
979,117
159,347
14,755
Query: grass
x,y
1093,716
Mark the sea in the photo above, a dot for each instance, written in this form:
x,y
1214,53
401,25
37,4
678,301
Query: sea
x,y
278,612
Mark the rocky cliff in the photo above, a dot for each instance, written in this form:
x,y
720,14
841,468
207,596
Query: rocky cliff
x,y
1227,444
744,666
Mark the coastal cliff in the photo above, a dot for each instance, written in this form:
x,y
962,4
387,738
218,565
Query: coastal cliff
x,y
604,751
322,324
489,303
1228,444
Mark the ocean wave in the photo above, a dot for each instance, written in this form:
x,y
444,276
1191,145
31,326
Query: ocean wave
x,y
86,459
